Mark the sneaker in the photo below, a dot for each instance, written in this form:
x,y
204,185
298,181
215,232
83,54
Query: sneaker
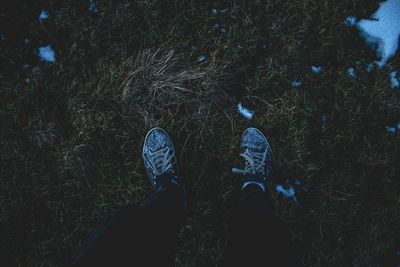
x,y
257,158
159,158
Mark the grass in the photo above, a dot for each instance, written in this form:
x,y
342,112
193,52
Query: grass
x,y
71,139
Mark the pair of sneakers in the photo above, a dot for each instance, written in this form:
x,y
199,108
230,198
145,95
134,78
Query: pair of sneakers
x,y
161,164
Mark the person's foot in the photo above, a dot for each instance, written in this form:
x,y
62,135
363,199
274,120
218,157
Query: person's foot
x,y
257,158
159,158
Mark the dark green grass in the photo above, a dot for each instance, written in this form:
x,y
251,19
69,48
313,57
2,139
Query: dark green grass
x,y
71,140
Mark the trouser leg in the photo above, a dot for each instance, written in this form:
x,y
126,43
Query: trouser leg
x,y
257,237
144,235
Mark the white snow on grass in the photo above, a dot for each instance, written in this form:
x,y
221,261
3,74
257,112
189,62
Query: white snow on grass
x,y
316,69
287,193
223,11
201,58
288,190
92,6
370,67
47,54
351,72
350,21
383,30
297,182
296,83
393,80
44,15
248,114
390,129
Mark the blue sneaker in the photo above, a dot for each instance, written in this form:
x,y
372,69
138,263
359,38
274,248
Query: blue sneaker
x,y
257,158
159,158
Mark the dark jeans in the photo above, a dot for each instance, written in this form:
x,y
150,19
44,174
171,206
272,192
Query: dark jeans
x,y
146,235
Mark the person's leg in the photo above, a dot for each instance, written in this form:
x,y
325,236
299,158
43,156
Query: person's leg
x,y
144,235
257,237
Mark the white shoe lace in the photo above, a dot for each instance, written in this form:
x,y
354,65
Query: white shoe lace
x,y
254,163
161,160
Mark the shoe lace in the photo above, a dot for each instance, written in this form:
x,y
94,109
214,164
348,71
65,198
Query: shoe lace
x,y
162,160
254,163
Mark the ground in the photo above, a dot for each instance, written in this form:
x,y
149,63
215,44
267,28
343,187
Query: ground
x,y
71,136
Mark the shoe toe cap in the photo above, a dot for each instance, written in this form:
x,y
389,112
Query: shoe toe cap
x,y
156,139
254,139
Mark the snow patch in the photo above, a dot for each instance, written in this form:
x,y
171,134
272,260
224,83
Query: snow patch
x,y
350,21
390,129
393,80
383,30
201,58
43,15
351,72
92,6
287,193
248,114
47,54
223,11
370,67
297,182
296,83
316,69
